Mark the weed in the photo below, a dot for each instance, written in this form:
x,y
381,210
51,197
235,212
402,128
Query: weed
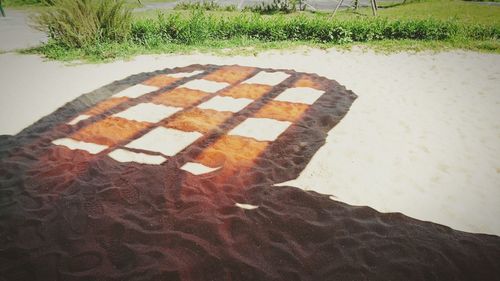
x,y
204,5
277,6
77,23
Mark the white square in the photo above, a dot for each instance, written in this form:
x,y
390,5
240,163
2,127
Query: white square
x,y
262,129
78,118
205,85
122,155
225,104
197,168
148,112
184,74
136,91
165,140
92,148
300,95
267,78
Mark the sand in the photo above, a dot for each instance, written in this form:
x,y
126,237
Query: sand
x,y
421,139
97,199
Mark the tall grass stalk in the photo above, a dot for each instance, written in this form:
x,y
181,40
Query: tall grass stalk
x,y
79,23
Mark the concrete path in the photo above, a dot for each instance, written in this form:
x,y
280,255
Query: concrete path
x,y
15,32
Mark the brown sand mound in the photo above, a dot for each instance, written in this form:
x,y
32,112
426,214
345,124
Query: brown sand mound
x,y
68,214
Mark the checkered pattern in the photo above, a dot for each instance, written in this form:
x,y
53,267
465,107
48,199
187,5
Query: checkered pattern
x,y
146,125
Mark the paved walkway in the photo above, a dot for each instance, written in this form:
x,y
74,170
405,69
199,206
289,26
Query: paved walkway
x,y
16,33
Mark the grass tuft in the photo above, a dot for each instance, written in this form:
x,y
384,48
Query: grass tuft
x,y
204,5
80,23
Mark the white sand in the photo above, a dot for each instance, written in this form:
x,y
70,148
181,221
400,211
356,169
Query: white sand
x,y
423,138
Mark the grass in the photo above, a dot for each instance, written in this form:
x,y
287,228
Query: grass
x,y
426,25
464,12
483,0
459,11
204,5
40,3
199,26
107,52
136,4
77,24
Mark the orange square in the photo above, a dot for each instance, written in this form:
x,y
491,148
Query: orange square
x,y
232,152
230,74
200,120
249,91
105,105
282,110
110,131
180,97
310,82
160,81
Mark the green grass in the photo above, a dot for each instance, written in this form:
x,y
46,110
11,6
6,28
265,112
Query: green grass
x,y
204,5
38,3
464,12
459,11
136,4
243,46
199,26
425,25
77,24
483,0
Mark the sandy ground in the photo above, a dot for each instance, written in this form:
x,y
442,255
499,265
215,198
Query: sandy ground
x,y
423,138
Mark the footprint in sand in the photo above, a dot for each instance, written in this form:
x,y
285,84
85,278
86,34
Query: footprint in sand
x,y
30,202
130,195
93,207
84,261
121,256
74,215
